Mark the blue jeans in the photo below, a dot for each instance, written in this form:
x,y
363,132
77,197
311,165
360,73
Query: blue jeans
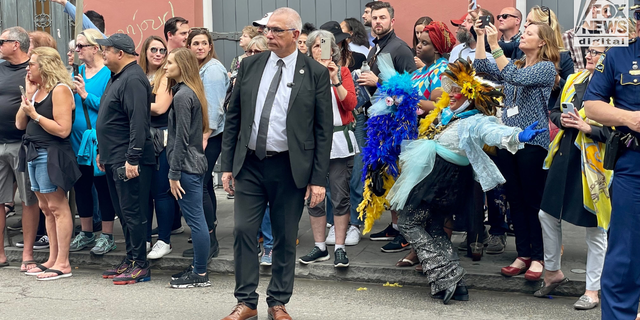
x,y
39,174
356,184
265,228
193,213
165,203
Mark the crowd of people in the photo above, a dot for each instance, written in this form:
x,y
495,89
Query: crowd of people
x,y
503,120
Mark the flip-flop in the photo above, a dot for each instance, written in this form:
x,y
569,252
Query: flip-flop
x,y
35,273
545,290
25,263
59,273
404,262
4,264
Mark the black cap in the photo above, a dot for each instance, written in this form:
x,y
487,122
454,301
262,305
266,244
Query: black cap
x,y
119,41
334,27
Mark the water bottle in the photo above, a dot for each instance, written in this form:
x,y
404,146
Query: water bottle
x,y
365,67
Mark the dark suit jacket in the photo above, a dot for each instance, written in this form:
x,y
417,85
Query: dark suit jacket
x,y
309,119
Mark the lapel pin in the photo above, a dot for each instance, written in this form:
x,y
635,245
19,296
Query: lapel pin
x,y
301,71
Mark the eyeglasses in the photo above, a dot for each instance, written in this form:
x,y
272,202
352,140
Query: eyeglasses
x,y
155,50
81,46
7,40
594,52
505,16
276,31
252,52
546,10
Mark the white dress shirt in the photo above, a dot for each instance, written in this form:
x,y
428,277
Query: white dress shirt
x,y
277,134
360,49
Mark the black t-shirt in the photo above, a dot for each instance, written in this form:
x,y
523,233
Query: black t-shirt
x,y
11,77
358,59
161,121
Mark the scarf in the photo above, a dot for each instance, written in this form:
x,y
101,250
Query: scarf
x,y
443,40
595,179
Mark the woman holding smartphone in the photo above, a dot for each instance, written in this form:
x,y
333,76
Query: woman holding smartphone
x,y
187,163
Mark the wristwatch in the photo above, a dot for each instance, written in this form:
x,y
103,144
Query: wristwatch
x,y
337,84
37,119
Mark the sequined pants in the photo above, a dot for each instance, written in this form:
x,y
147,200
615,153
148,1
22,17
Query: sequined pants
x,y
424,229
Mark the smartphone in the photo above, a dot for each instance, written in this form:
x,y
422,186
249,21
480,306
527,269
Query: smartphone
x,y
485,20
475,4
567,107
122,173
24,94
325,48
76,69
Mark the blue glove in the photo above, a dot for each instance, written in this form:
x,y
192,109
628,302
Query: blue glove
x,y
529,132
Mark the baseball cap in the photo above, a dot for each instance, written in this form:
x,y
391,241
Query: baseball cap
x,y
457,23
263,21
334,27
119,41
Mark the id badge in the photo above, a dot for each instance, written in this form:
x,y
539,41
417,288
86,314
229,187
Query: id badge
x,y
512,111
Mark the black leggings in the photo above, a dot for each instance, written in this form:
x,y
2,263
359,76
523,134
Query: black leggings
x,y
214,146
525,186
84,196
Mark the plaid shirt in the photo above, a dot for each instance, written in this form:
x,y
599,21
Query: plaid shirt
x,y
576,52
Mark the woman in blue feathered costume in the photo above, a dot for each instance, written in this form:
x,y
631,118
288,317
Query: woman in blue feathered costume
x,y
438,169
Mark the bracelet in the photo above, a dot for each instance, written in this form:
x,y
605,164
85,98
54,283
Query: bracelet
x,y
497,53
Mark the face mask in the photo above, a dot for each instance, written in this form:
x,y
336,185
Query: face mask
x,y
463,107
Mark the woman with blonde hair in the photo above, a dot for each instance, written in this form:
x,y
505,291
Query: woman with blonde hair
x,y
527,86
188,121
46,114
90,84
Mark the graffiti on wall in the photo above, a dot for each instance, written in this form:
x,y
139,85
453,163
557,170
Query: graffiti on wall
x,y
139,25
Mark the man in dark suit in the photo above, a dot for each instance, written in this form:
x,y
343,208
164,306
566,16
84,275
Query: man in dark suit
x,y
275,150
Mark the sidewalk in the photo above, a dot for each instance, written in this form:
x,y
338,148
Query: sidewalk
x,y
367,262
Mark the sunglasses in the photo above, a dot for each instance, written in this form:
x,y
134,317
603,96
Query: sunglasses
x,y
155,50
547,11
636,15
82,46
505,16
252,52
7,40
594,52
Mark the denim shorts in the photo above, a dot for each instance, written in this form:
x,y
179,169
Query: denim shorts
x,y
39,175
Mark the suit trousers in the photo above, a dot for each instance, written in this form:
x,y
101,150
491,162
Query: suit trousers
x,y
621,274
260,182
131,202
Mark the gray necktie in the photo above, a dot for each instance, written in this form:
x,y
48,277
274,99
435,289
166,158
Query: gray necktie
x,y
263,129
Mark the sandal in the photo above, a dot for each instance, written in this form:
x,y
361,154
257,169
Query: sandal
x,y
59,275
23,266
11,210
405,262
4,264
31,272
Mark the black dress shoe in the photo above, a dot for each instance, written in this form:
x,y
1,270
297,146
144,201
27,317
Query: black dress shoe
x,y
448,294
461,294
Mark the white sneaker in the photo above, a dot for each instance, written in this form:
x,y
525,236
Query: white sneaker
x,y
331,237
160,249
353,236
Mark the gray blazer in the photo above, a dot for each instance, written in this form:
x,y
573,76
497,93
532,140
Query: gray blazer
x,y
309,119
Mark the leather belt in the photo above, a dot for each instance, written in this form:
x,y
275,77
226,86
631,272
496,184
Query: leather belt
x,y
269,153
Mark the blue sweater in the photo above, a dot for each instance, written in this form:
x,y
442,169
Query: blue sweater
x,y
94,87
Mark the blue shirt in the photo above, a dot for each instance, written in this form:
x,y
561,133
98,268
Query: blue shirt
x,y
216,81
70,9
428,79
528,89
95,87
613,78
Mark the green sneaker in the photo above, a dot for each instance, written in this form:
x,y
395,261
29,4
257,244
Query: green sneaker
x,y
103,245
81,241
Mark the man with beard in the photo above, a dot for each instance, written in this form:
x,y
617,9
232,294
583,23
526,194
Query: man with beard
x,y
366,20
466,49
386,41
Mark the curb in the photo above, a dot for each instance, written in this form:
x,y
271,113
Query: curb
x,y
369,273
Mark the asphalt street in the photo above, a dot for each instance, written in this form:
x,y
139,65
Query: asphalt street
x,y
87,296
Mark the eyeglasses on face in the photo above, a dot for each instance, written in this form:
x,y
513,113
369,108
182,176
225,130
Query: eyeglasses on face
x,y
505,16
82,46
547,11
7,40
594,52
155,50
252,52
277,31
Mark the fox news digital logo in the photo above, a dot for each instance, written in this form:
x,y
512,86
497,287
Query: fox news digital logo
x,y
601,22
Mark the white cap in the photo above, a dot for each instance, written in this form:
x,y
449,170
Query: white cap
x,y
263,21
